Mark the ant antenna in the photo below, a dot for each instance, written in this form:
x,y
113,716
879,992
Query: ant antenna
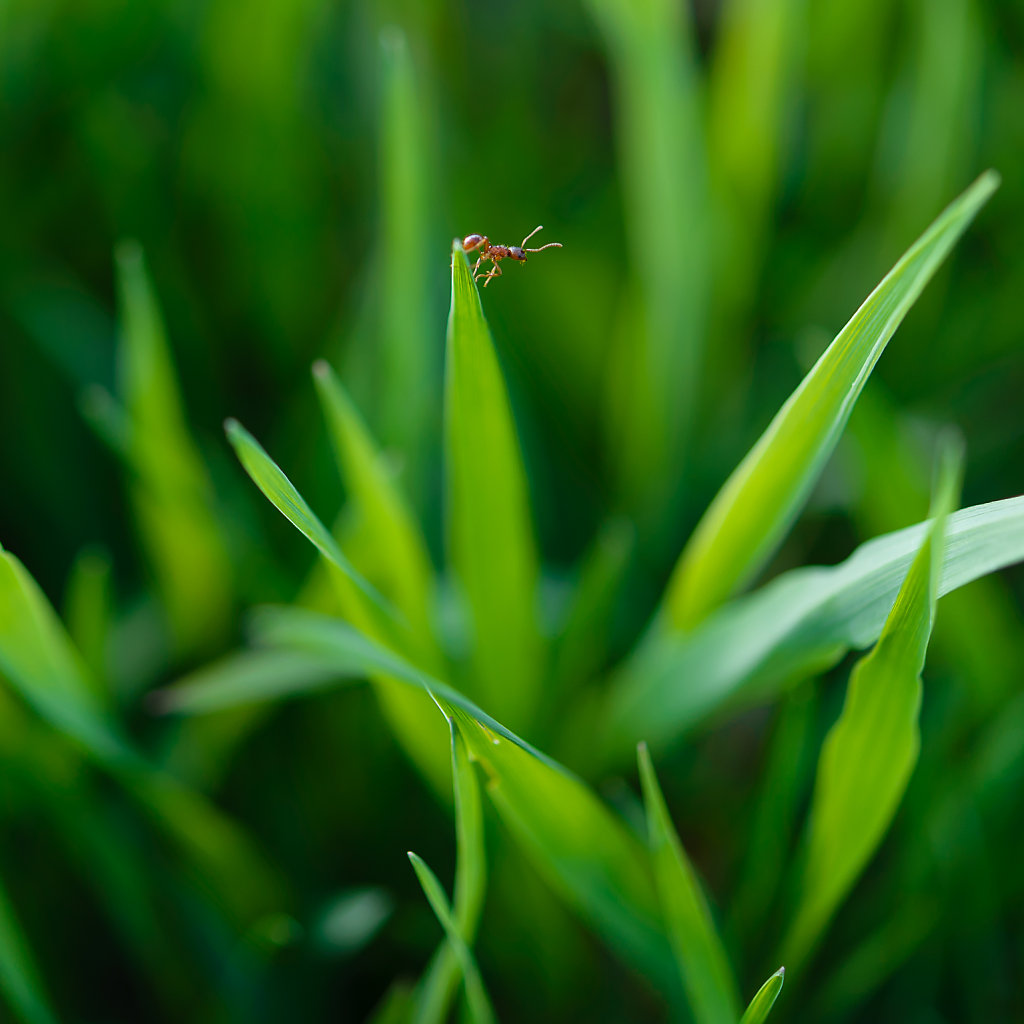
x,y
550,245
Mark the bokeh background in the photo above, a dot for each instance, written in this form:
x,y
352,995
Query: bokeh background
x,y
294,172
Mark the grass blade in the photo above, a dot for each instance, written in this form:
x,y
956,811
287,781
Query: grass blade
x,y
281,493
761,1005
170,488
870,752
438,986
757,504
476,995
490,535
391,530
703,963
89,612
19,979
793,627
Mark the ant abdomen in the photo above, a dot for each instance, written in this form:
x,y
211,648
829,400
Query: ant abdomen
x,y
471,242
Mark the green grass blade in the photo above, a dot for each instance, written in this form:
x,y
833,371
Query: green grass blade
x,y
654,378
89,612
761,1005
793,627
390,527
476,995
757,504
870,752
490,535
19,978
703,962
438,987
281,493
170,488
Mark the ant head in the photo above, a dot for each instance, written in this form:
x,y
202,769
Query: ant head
x,y
516,253
471,242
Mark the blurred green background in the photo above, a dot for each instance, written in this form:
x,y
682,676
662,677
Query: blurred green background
x,y
294,171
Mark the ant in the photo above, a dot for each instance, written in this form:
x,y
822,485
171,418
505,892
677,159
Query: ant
x,y
500,252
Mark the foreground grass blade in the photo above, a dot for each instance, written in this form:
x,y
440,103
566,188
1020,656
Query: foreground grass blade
x,y
584,850
19,980
281,493
476,995
793,627
390,528
653,382
761,1005
490,535
757,504
438,987
870,752
170,488
703,963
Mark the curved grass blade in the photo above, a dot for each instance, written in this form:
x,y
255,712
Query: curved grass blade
x,y
19,979
793,627
490,535
390,528
281,493
584,850
438,987
169,485
757,504
476,995
761,1005
870,752
703,963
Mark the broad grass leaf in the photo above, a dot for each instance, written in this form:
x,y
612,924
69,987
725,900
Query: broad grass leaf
x,y
389,525
798,624
870,752
20,984
654,373
479,1004
762,1003
490,535
169,485
435,993
703,963
757,504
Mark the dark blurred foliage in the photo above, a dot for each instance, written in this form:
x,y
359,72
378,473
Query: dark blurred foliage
x,y
241,145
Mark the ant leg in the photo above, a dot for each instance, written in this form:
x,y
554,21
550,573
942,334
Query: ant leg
x,y
496,272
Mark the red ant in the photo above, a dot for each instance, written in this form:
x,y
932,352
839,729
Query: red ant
x,y
500,252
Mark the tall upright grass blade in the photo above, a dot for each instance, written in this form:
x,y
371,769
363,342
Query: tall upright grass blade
x,y
476,995
171,492
390,527
757,504
20,984
703,963
490,535
870,752
89,613
654,379
793,627
409,347
438,987
762,1003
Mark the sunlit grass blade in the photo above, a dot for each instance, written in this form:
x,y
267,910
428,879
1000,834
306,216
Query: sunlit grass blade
x,y
761,1005
584,851
408,344
654,379
170,488
20,984
490,535
870,752
281,493
703,963
435,993
476,995
89,612
798,624
389,526
757,504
